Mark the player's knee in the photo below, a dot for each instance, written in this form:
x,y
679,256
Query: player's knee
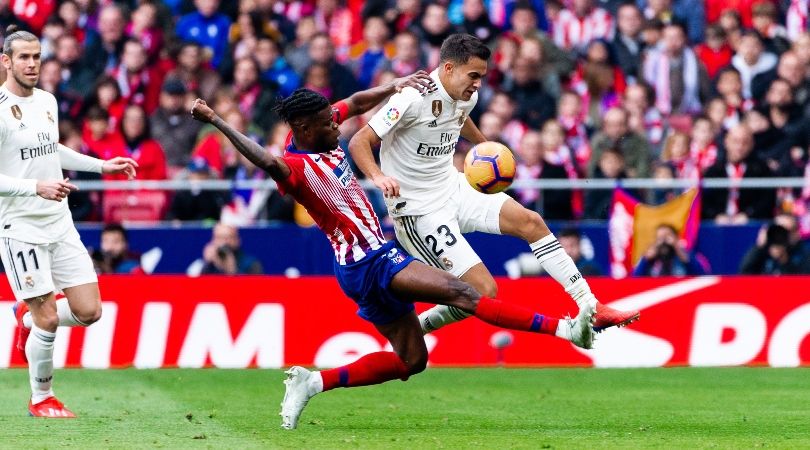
x,y
417,363
89,315
531,226
48,321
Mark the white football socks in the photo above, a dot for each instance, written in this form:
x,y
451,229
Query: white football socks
x,y
39,350
439,316
561,267
63,312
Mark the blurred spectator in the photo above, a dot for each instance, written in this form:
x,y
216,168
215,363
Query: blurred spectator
x,y
574,28
274,68
193,72
775,253
297,51
53,30
616,134
33,12
107,96
504,107
367,56
139,83
102,139
572,242
702,148
736,205
77,78
217,150
667,257
715,53
70,14
433,28
524,22
206,27
113,255
534,104
333,18
784,126
679,78
609,165
103,49
173,127
491,126
627,45
570,117
322,51
224,254
551,203
50,76
140,145
765,22
254,98
84,205
476,21
791,70
729,86
7,17
690,13
751,60
195,203
731,22
407,55
676,153
643,118
144,27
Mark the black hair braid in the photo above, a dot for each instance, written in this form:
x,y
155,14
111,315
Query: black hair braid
x,y
301,103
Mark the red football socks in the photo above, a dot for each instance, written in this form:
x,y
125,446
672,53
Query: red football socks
x,y
514,317
374,368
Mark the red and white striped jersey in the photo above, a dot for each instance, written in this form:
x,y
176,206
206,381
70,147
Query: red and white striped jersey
x,y
572,32
325,185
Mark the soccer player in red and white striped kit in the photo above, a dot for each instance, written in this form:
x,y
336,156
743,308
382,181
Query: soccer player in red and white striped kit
x,y
377,274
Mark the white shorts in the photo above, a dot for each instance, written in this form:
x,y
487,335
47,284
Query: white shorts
x,y
436,238
39,269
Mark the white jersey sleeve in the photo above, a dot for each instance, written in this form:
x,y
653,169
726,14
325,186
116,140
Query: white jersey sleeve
x,y
73,160
396,113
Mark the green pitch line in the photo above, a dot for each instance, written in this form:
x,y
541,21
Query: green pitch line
x,y
442,408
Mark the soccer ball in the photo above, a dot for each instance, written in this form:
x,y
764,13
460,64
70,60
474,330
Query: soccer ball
x,y
489,167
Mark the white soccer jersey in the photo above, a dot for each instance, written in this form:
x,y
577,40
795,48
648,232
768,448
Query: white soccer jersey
x,y
419,135
29,151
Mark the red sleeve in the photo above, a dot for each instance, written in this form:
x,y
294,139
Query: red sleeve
x,y
340,111
290,184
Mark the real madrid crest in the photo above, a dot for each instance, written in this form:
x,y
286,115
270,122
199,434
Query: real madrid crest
x,y
447,263
29,280
462,118
50,116
437,108
16,112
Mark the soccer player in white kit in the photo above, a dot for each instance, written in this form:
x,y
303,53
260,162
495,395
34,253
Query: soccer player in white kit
x,y
431,202
42,252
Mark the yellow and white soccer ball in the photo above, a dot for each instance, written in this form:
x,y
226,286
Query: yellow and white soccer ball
x,y
489,167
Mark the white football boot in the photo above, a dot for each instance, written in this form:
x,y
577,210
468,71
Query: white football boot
x,y
580,329
300,387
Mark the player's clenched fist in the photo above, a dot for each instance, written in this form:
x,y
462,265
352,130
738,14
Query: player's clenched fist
x,y
202,112
55,189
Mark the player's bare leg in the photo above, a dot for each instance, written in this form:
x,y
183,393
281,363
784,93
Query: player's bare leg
x,y
82,306
515,220
419,281
438,316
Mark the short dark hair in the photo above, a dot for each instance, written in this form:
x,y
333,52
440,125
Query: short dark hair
x,y
301,103
570,232
115,228
460,47
13,33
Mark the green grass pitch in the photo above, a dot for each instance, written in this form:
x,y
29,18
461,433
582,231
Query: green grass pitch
x,y
441,408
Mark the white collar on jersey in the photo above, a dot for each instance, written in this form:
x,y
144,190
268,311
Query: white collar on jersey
x,y
439,88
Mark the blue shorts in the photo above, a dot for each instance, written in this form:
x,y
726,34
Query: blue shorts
x,y
367,281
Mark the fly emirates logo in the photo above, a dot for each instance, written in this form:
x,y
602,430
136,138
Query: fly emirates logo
x,y
447,145
46,147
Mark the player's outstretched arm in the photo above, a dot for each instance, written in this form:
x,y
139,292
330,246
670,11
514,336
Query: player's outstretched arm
x,y
363,101
275,167
73,160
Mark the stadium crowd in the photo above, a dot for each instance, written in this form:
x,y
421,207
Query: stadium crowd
x,y
577,88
